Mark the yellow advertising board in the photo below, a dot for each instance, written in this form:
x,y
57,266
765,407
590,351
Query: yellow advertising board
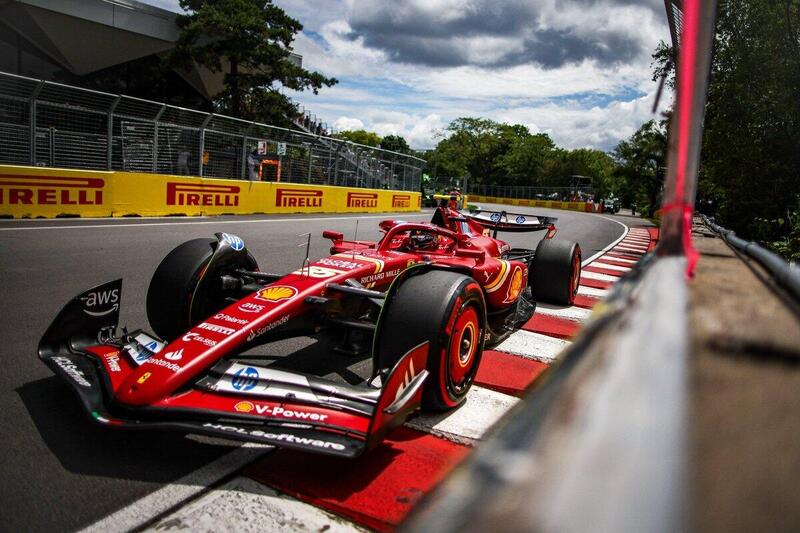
x,y
48,192
587,207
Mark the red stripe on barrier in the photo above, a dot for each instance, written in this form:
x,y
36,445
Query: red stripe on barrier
x,y
596,283
600,270
587,302
654,236
552,326
507,373
377,490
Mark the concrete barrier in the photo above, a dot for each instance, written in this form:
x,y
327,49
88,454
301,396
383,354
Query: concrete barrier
x,y
52,192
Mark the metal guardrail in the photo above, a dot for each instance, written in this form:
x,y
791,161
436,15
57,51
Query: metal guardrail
x,y
48,124
785,275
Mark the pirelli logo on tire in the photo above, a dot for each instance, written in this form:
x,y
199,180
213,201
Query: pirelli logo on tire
x,y
362,199
202,194
51,190
285,197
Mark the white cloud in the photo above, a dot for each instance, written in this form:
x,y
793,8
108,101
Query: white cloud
x,y
348,123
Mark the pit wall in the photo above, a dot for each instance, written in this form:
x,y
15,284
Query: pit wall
x,y
52,192
586,207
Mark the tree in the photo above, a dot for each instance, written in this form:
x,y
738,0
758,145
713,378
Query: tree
x,y
367,138
526,158
750,161
254,38
640,161
395,143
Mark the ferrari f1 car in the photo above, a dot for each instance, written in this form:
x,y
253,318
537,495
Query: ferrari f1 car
x,y
424,301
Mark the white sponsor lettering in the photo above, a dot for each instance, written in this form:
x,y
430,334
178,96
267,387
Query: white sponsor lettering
x,y
380,276
101,299
72,371
162,363
339,263
251,308
215,328
231,319
202,340
281,437
174,356
257,332
317,272
113,361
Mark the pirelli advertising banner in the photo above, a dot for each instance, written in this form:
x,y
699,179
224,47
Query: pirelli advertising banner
x,y
586,207
48,192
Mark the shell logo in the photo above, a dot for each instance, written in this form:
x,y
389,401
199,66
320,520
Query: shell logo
x,y
515,287
276,293
244,407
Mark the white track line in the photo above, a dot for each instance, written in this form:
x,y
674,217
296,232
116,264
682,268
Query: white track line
x,y
205,222
576,314
467,424
243,505
632,247
610,245
618,259
177,492
597,276
592,292
600,264
533,346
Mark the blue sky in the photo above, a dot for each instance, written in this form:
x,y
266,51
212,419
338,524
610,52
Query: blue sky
x,y
578,70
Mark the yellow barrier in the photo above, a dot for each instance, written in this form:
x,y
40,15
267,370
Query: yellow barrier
x,y
586,207
51,192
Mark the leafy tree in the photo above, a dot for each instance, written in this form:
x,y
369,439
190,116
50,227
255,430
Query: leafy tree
x,y
525,160
251,41
640,161
395,143
360,136
750,162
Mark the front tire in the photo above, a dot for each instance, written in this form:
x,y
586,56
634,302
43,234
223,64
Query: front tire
x,y
556,272
174,303
448,310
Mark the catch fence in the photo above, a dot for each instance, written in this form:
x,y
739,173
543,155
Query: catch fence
x,y
48,124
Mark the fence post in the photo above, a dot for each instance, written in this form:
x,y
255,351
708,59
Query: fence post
x,y
203,143
310,160
155,136
110,131
32,119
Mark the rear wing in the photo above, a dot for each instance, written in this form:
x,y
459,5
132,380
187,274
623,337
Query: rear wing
x,y
513,222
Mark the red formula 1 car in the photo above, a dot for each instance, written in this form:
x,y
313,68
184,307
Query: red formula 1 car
x,y
424,301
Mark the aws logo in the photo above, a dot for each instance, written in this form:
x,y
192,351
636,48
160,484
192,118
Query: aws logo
x,y
101,303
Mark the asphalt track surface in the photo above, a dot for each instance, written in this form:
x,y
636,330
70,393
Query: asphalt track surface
x,y
60,472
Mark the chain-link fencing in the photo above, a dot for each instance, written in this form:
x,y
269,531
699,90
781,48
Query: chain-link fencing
x,y
48,124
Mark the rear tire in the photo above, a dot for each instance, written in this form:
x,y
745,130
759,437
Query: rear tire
x,y
448,310
556,272
170,306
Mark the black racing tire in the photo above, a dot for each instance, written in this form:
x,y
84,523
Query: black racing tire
x,y
556,272
448,309
172,289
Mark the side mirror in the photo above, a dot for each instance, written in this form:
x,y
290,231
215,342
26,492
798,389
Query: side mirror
x,y
386,225
333,235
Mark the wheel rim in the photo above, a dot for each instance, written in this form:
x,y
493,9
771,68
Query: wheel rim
x,y
464,343
576,274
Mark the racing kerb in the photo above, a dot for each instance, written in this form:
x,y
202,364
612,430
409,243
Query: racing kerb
x,y
379,489
52,192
